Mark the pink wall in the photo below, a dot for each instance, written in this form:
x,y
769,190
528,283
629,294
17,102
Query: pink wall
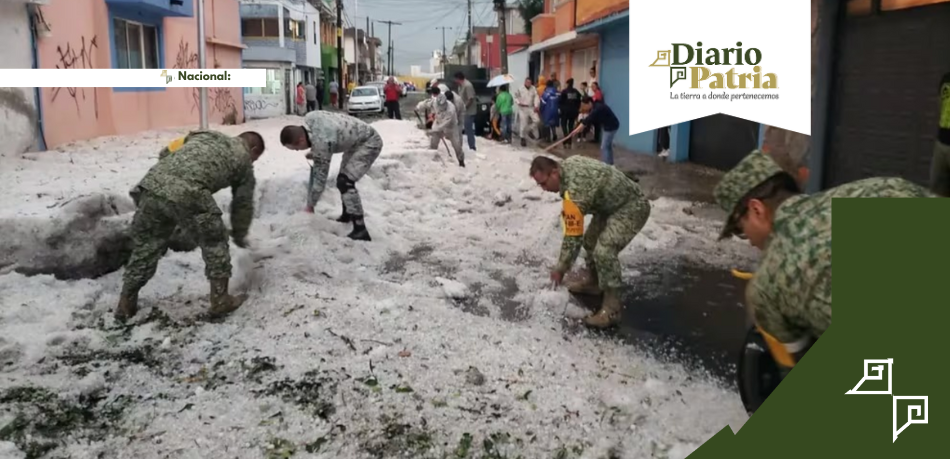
x,y
80,39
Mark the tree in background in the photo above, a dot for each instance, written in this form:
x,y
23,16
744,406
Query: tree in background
x,y
529,9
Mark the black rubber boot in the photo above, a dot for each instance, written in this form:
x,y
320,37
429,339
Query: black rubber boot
x,y
359,232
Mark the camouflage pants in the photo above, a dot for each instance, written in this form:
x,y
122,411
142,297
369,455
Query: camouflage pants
x,y
454,136
154,224
355,165
608,235
940,170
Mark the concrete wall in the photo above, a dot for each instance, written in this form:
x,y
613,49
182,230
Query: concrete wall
x,y
248,11
18,111
82,38
268,49
257,106
614,79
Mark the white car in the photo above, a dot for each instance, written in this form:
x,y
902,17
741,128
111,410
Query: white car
x,y
365,99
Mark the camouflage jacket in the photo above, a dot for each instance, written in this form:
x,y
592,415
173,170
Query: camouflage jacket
x,y
446,113
590,187
790,294
192,169
331,133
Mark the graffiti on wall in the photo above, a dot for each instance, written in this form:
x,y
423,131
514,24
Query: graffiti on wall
x,y
263,105
221,100
77,58
185,59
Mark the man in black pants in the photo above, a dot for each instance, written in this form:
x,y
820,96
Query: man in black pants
x,y
393,93
570,105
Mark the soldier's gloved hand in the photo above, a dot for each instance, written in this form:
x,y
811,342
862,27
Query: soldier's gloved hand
x,y
309,156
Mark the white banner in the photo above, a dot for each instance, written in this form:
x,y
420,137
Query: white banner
x,y
124,78
746,58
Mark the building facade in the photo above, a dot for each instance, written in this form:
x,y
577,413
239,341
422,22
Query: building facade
x,y
486,43
283,37
144,34
367,58
557,46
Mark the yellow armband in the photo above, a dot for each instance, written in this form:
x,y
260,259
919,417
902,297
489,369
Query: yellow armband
x,y
176,144
572,218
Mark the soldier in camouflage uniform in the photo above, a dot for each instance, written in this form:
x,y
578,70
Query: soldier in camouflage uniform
x,y
179,192
446,124
619,211
940,166
789,296
324,134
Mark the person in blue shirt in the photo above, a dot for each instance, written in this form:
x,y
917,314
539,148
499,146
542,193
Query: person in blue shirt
x,y
549,109
600,116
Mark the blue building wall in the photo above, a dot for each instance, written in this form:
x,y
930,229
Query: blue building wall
x,y
614,78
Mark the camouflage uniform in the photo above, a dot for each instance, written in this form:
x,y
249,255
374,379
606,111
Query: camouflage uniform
x,y
790,294
445,125
619,210
178,191
331,133
940,166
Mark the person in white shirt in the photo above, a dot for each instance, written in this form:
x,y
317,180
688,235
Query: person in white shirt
x,y
527,102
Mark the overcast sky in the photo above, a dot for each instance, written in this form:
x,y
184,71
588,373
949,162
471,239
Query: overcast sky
x,y
418,35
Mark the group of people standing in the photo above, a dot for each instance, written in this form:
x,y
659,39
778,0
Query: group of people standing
x,y
577,112
309,96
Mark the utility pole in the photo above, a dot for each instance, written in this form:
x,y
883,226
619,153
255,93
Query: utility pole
x,y
468,35
444,59
339,53
392,60
502,10
202,92
372,53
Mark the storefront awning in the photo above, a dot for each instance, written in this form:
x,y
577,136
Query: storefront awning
x,y
553,41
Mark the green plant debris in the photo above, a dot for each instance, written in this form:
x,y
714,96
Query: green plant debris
x,y
144,355
465,444
42,419
312,392
403,389
314,446
525,396
279,448
258,365
293,310
399,440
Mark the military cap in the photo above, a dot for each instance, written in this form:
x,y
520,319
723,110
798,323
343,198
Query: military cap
x,y
738,182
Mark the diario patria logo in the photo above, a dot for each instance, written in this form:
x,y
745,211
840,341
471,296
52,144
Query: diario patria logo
x,y
874,370
688,63
196,75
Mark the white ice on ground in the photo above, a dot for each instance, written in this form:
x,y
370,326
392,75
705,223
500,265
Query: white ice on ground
x,y
315,295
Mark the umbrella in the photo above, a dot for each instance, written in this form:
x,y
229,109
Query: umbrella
x,y
501,80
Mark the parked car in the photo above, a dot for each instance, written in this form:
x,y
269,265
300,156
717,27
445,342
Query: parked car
x,y
365,99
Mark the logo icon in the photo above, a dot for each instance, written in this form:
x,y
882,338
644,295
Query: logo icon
x,y
168,78
916,414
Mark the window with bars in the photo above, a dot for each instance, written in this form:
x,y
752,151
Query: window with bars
x,y
136,44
